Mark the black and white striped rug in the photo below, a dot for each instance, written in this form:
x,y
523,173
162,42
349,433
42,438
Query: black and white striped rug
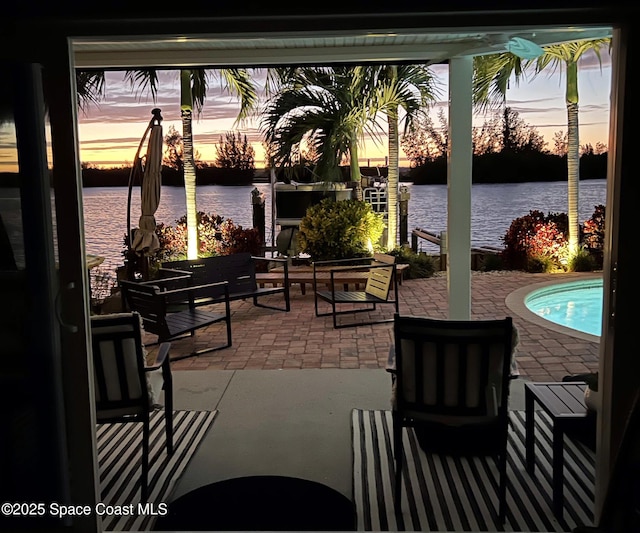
x,y
119,459
447,494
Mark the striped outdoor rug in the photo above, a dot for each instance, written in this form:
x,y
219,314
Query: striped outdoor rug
x,y
449,494
119,458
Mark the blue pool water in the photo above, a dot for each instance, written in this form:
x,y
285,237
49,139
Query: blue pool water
x,y
576,305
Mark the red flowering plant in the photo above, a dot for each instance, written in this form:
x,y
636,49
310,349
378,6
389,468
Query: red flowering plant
x,y
593,229
173,239
593,235
236,239
536,242
516,239
549,245
173,242
216,236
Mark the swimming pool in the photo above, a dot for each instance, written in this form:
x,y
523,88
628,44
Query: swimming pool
x,y
576,305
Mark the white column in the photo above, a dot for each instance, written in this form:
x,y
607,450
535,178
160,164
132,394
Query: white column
x,y
459,188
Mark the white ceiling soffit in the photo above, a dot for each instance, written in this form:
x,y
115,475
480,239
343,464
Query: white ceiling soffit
x,y
420,46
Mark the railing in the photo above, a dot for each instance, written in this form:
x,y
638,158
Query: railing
x,y
477,252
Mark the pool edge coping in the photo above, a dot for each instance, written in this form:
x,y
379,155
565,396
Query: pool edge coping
x,y
515,302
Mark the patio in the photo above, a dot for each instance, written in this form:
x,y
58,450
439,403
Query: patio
x,y
286,389
264,339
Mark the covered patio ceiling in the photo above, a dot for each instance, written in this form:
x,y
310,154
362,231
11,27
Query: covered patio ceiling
x,y
314,46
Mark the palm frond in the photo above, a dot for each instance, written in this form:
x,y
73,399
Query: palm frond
x,y
143,80
563,53
324,104
199,86
90,86
491,77
238,81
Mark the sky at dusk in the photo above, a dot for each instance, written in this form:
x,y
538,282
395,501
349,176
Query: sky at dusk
x,y
111,131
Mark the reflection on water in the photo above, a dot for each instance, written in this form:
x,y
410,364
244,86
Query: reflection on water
x,y
494,207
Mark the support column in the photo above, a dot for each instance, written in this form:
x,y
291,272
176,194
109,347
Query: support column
x,y
459,188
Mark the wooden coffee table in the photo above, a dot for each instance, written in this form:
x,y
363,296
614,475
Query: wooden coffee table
x,y
564,403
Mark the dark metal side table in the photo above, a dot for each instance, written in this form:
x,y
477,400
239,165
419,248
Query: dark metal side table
x,y
564,403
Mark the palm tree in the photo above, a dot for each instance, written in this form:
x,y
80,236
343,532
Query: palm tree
x,y
322,108
491,78
331,109
411,88
193,92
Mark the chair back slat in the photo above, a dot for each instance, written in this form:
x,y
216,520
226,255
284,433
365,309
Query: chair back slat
x,y
147,300
380,278
238,270
452,368
379,282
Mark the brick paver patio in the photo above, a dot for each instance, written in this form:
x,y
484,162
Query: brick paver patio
x,y
269,339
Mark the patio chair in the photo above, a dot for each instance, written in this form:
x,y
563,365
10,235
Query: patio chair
x,y
153,303
121,376
451,382
381,275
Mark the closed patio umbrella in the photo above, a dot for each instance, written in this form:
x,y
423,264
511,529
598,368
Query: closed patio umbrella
x,y
144,241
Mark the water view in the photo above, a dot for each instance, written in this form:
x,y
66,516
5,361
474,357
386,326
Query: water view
x,y
494,207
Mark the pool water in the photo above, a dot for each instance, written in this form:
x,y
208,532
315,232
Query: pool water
x,y
576,305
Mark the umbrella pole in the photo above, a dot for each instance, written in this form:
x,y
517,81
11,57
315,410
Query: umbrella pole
x,y
144,267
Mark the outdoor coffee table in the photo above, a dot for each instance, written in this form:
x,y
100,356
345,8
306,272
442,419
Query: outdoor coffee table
x,y
564,403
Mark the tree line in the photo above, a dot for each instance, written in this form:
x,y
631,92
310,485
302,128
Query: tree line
x,y
505,150
234,164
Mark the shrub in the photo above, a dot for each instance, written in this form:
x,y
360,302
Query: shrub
x,y
339,229
539,263
548,241
216,236
236,239
173,239
593,229
593,235
533,237
583,261
420,265
101,282
516,239
491,262
538,243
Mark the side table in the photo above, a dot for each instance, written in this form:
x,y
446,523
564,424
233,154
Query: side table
x,y
564,403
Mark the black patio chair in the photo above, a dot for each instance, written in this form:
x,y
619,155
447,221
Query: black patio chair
x,y
381,288
451,381
122,391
